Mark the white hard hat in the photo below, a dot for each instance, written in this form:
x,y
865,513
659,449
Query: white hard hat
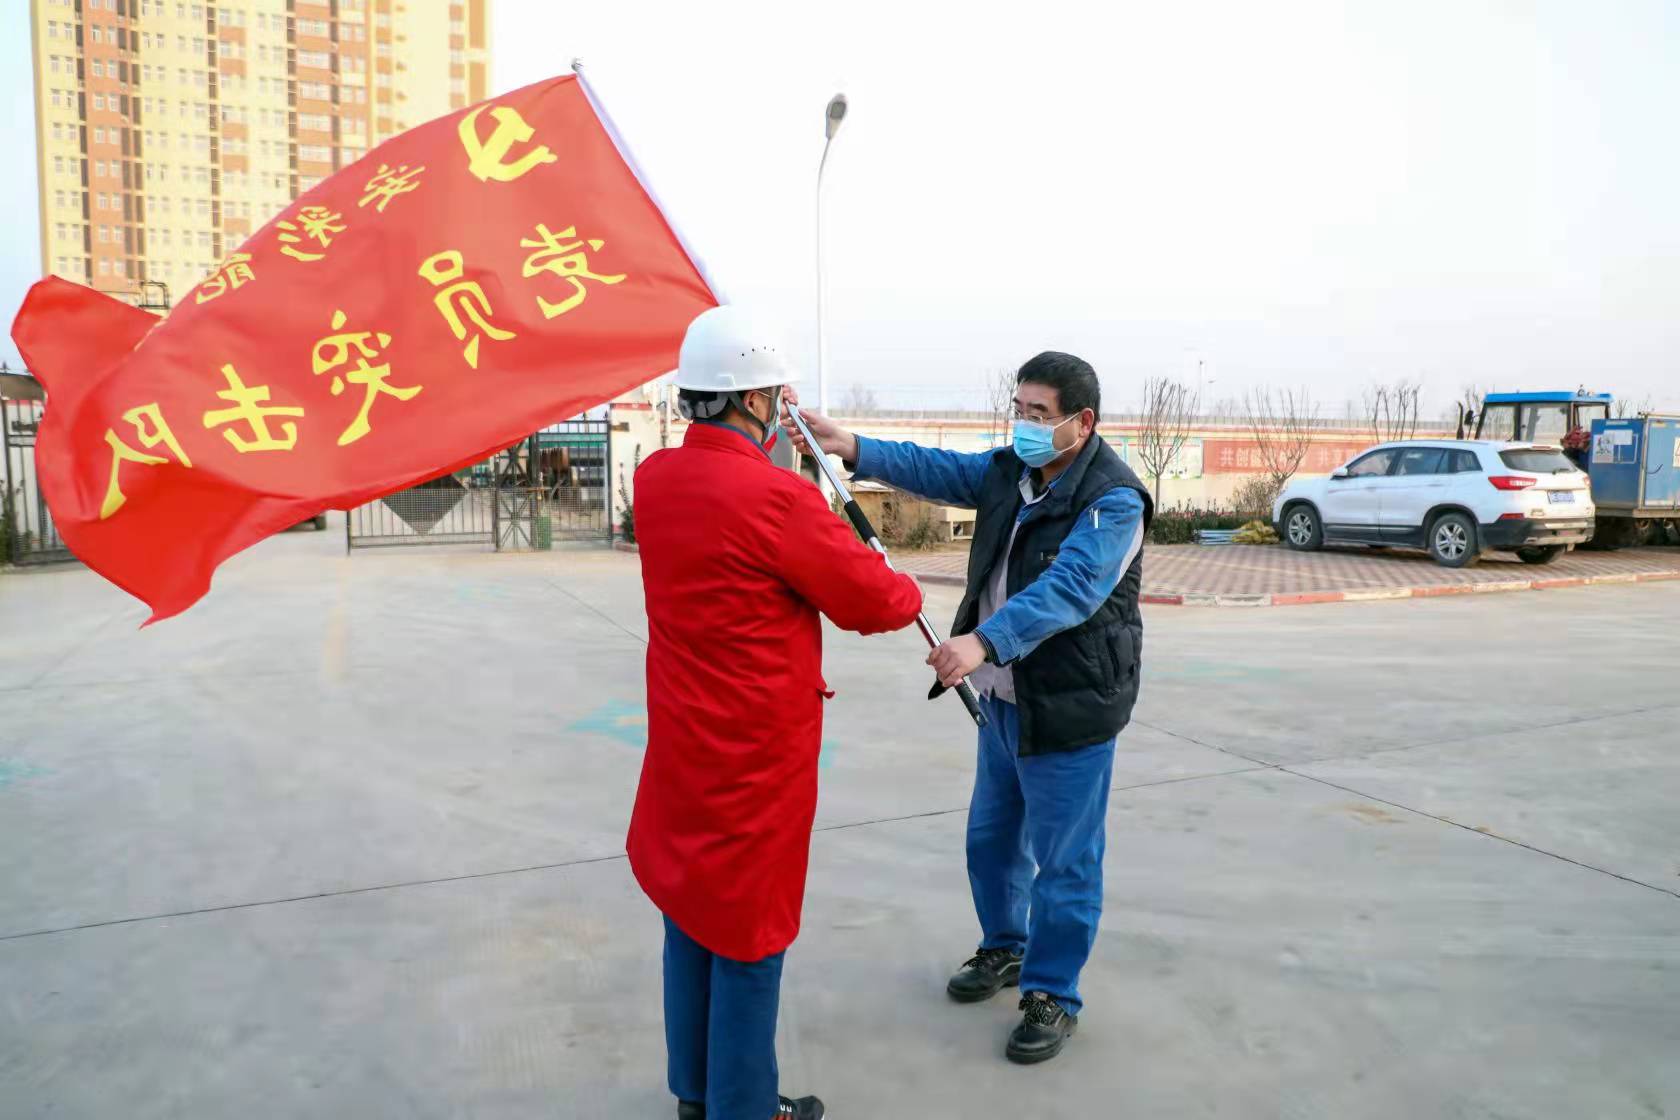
x,y
728,350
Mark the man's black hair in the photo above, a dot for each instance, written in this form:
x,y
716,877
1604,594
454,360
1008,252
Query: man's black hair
x,y
1073,379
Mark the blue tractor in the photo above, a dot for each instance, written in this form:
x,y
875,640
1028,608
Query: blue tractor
x,y
1633,463
1534,417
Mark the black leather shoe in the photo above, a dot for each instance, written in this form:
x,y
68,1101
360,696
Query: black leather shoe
x,y
1043,1030
805,1108
984,975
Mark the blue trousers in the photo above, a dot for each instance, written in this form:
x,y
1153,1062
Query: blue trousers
x,y
1035,852
720,1028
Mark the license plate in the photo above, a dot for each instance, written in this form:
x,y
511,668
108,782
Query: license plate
x,y
1561,497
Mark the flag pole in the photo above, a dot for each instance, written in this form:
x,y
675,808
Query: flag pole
x,y
860,521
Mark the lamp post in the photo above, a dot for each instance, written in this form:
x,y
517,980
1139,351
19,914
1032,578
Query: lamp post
x,y
833,116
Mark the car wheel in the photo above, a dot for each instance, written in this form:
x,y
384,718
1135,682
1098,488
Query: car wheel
x,y
321,521
1301,528
1452,540
1540,554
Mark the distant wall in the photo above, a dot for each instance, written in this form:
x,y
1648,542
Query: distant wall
x,y
1216,459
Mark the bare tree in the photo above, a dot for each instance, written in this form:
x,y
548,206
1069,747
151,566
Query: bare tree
x,y
1224,411
859,398
1391,411
1624,408
1468,404
1169,411
1000,398
1281,424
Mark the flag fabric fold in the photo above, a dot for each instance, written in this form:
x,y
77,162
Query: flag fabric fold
x,y
459,287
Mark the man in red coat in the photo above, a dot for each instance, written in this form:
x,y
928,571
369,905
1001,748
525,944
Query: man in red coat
x,y
739,560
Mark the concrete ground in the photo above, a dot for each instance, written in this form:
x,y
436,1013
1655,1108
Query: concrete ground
x,y
345,840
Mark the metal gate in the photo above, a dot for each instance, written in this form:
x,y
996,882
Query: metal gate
x,y
575,466
25,520
553,485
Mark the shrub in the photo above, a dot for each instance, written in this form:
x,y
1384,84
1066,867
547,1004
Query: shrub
x,y
8,527
627,516
1178,524
1256,496
914,531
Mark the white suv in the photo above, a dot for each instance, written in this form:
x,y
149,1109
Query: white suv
x,y
1455,499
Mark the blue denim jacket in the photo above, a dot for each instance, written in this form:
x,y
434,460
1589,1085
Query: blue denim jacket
x,y
1087,568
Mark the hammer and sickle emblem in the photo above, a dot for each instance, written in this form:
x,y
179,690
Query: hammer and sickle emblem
x,y
487,159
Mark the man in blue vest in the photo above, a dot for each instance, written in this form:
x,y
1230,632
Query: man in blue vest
x,y
1050,635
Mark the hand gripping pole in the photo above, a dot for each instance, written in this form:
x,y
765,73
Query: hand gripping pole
x,y
964,690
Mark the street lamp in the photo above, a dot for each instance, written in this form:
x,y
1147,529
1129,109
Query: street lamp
x,y
833,116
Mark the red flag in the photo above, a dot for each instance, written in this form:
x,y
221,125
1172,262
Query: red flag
x,y
461,286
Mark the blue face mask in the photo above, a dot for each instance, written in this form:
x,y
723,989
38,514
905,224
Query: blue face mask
x,y
1035,443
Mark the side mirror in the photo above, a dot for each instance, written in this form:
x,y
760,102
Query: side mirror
x,y
1339,472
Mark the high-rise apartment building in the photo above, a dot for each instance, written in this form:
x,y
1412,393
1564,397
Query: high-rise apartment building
x,y
169,131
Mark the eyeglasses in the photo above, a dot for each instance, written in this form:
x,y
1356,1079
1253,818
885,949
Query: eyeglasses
x,y
1017,414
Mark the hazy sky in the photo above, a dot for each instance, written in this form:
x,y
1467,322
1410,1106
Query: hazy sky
x,y
1291,192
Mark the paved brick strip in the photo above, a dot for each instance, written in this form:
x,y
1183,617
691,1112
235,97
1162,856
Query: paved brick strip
x,y
1272,576
1256,576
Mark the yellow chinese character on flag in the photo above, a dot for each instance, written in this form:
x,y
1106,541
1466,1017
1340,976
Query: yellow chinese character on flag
x,y
251,407
121,453
233,273
336,350
568,261
315,223
387,183
461,297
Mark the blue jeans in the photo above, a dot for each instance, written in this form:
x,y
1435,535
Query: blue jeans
x,y
720,1028
1035,850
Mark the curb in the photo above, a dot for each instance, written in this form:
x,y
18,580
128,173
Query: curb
x,y
1386,594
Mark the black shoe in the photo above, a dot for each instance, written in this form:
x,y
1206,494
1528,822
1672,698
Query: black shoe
x,y
984,975
1043,1030
805,1108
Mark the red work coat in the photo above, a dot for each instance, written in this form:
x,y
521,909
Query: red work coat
x,y
738,557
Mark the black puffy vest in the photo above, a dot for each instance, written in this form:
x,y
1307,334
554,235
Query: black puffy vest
x,y
1077,687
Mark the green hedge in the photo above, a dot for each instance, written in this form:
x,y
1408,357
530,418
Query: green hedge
x,y
1178,525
